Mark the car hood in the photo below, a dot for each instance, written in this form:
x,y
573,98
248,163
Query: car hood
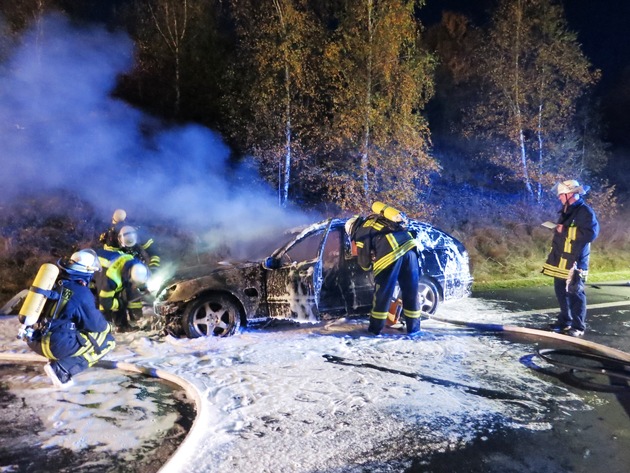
x,y
203,270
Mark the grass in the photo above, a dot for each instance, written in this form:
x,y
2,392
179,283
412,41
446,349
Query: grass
x,y
512,256
506,243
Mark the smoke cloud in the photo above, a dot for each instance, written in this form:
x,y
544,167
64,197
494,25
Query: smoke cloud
x,y
62,129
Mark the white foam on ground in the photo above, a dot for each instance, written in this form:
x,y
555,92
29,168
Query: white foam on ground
x,y
277,404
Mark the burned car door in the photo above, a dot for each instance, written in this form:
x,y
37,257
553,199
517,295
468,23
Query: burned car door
x,y
359,283
346,288
332,297
293,284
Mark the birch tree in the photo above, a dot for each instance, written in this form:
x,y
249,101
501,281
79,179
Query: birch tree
x,y
167,23
534,74
380,80
21,15
276,50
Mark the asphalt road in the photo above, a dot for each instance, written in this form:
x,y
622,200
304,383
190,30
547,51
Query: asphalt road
x,y
608,316
25,443
592,440
588,441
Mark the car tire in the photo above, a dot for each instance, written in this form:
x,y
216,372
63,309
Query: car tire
x,y
213,315
428,296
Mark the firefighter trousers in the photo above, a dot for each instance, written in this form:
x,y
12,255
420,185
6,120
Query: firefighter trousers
x,y
405,272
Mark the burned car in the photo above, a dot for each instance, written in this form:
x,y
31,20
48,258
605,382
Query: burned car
x,y
312,277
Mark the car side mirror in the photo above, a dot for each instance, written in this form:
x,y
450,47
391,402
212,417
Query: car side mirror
x,y
271,263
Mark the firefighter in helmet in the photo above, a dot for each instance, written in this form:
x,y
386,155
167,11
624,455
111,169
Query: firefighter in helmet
x,y
576,228
125,237
71,332
389,250
128,242
119,287
109,238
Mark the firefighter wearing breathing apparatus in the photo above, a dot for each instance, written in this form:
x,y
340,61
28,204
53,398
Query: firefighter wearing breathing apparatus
x,y
385,246
567,263
69,330
119,286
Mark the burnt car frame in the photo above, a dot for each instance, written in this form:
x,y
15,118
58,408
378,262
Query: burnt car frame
x,y
312,277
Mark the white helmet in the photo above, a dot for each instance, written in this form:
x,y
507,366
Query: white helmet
x,y
119,216
139,274
570,187
350,223
127,236
83,261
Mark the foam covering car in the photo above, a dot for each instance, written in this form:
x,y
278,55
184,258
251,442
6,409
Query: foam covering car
x,y
312,277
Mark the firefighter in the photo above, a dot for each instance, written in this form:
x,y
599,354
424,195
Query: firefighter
x,y
390,251
119,286
72,333
128,242
109,238
567,263
125,237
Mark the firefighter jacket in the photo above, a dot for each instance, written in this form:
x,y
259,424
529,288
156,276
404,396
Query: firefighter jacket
x,y
113,286
573,244
109,238
380,242
75,321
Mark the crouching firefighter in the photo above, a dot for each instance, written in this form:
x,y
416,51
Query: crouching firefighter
x,y
70,331
388,249
120,287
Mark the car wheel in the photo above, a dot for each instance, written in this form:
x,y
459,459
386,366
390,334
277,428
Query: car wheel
x,y
428,296
211,315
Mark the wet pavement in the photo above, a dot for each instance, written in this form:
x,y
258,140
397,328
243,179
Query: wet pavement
x,y
27,445
608,316
592,439
583,441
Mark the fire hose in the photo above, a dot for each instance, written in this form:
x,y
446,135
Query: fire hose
x,y
611,362
202,418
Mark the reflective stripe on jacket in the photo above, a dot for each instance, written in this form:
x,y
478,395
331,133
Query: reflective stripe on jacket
x,y
573,244
380,243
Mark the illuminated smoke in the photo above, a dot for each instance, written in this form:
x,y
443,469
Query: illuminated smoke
x,y
61,129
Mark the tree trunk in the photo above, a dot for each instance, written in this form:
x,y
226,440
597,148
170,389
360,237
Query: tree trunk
x,y
365,157
283,184
517,98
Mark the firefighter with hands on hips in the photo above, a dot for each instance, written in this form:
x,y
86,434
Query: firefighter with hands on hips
x,y
125,237
69,330
567,263
119,286
388,249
